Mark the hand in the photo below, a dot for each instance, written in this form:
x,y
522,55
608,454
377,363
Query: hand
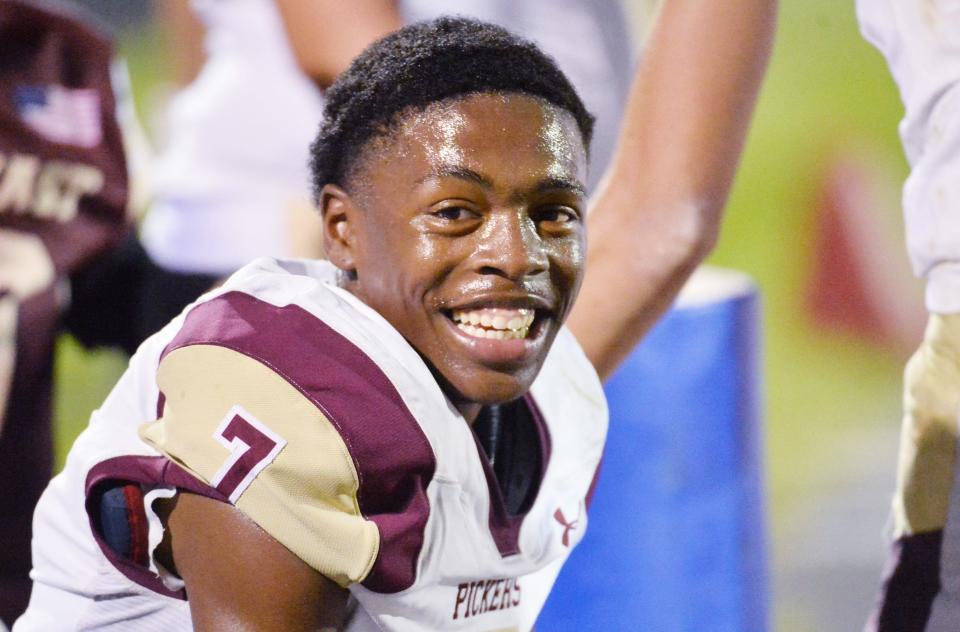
x,y
25,265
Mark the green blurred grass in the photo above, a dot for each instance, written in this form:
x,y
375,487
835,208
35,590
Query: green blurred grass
x,y
82,379
827,89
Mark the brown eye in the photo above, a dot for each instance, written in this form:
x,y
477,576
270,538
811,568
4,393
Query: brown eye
x,y
556,215
455,213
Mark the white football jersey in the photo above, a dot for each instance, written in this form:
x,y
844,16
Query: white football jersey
x,y
291,399
921,42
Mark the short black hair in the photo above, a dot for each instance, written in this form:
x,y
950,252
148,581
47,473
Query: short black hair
x,y
425,63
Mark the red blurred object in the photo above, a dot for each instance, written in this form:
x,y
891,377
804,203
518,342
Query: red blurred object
x,y
860,281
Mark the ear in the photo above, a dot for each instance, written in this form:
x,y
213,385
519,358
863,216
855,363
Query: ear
x,y
340,217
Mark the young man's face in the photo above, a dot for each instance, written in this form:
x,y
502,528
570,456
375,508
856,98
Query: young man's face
x,y
468,237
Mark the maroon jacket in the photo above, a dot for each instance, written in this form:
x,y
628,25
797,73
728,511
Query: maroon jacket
x,y
58,128
63,179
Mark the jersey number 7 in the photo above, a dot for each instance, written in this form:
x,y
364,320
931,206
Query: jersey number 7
x,y
252,446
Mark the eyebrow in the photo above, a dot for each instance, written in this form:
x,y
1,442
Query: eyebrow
x,y
554,183
456,171
464,173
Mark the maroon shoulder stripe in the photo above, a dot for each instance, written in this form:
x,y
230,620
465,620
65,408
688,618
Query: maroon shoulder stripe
x,y
392,456
593,483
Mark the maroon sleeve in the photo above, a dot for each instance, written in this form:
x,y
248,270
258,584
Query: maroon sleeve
x,y
911,582
62,164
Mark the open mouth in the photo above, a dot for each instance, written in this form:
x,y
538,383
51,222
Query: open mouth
x,y
495,323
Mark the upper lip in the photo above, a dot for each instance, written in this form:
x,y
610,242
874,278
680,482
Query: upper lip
x,y
504,300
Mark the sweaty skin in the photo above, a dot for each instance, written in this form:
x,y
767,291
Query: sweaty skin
x,y
477,204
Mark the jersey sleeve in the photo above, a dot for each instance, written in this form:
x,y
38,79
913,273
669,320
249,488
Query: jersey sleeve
x,y
921,43
244,430
293,424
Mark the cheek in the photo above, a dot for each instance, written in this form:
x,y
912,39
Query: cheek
x,y
570,255
419,263
427,249
567,261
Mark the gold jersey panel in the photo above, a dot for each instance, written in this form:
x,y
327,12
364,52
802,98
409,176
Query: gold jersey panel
x,y
246,431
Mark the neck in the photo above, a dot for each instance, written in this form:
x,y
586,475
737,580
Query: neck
x,y
469,410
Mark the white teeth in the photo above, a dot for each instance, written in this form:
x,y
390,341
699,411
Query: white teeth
x,y
494,334
495,323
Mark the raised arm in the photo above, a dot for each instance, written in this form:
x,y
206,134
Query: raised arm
x,y
326,35
657,214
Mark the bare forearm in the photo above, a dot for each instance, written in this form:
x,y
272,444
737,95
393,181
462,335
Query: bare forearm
x,y
658,212
184,34
325,35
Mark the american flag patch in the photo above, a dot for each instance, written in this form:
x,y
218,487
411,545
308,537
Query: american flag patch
x,y
62,115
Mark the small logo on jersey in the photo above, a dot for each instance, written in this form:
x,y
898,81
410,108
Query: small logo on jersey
x,y
62,115
567,526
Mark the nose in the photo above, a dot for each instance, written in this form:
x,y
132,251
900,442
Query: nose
x,y
510,246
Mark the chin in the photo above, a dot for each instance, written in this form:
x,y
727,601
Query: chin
x,y
490,387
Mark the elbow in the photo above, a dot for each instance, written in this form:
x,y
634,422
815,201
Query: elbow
x,y
658,244
317,71
695,235
704,242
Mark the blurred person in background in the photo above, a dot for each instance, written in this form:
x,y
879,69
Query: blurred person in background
x,y
656,216
231,182
921,42
63,205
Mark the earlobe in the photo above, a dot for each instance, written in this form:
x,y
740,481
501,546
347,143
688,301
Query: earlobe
x,y
338,213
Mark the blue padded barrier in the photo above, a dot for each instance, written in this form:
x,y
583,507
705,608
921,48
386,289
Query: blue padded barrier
x,y
676,537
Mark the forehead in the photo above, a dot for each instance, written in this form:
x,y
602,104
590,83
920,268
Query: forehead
x,y
505,136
